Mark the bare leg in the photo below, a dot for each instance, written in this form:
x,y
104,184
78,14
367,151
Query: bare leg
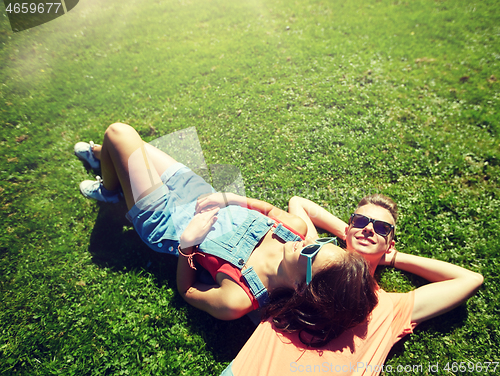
x,y
127,161
160,159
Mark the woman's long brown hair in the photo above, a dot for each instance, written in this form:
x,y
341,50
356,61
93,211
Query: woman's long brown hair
x,y
338,298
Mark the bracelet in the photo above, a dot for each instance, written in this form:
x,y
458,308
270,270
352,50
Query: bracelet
x,y
393,260
224,197
190,256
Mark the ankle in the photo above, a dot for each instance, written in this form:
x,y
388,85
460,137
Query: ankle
x,y
108,190
96,150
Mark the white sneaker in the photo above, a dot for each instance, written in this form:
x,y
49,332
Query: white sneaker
x,y
83,150
95,189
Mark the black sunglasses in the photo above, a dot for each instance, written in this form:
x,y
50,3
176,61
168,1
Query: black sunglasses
x,y
361,221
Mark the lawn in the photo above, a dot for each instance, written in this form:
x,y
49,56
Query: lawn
x,y
330,100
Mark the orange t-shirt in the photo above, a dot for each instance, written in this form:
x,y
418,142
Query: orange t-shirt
x,y
361,350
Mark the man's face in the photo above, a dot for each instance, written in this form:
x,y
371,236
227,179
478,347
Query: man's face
x,y
366,241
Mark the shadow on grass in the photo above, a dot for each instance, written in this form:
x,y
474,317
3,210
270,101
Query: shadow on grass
x,y
223,338
114,244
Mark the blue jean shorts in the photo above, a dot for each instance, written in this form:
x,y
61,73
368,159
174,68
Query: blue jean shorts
x,y
161,217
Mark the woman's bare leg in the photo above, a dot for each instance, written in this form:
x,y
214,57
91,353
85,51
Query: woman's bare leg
x,y
129,162
160,159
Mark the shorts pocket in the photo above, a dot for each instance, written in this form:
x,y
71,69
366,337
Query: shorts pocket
x,y
155,226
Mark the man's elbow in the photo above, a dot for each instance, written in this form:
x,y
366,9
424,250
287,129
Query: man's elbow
x,y
477,279
474,283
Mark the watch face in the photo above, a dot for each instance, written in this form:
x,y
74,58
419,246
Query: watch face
x,y
27,14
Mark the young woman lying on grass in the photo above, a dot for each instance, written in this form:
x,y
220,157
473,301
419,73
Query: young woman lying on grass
x,y
362,349
250,247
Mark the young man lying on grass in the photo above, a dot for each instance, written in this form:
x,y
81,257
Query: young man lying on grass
x,y
281,346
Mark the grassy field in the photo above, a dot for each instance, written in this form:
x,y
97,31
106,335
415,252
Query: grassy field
x,y
330,100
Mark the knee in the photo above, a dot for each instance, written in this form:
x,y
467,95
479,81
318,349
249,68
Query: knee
x,y
118,130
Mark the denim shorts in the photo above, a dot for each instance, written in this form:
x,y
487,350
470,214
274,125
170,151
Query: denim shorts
x,y
160,217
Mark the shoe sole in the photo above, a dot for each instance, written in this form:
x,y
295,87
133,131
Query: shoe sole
x,y
104,202
118,199
87,163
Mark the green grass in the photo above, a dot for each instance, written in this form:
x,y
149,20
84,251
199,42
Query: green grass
x,y
330,100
